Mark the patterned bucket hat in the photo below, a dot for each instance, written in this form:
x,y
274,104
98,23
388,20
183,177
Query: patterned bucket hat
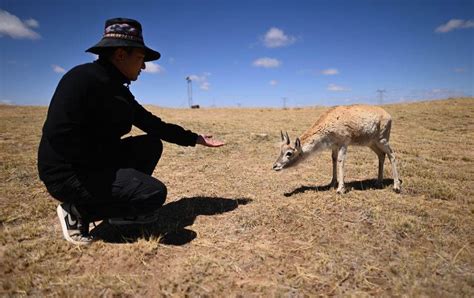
x,y
122,32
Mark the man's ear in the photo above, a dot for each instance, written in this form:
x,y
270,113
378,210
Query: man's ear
x,y
119,54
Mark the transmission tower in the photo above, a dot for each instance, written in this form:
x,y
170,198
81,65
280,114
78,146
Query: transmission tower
x,y
284,102
381,92
190,91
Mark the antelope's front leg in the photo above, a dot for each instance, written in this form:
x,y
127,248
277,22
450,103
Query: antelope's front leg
x,y
341,158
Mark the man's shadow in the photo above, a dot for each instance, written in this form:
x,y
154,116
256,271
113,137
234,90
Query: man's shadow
x,y
357,185
172,220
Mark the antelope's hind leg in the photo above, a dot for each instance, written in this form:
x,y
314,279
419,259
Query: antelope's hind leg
x,y
381,157
385,147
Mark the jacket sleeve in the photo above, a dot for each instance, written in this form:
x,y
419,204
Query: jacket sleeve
x,y
168,132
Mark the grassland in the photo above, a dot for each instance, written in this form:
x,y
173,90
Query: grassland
x,y
232,227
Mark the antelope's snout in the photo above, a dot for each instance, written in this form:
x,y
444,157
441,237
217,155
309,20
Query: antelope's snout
x,y
277,167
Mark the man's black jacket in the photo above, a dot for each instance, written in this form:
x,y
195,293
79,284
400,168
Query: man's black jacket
x,y
90,111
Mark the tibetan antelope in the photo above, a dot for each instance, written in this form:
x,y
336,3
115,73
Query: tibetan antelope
x,y
336,129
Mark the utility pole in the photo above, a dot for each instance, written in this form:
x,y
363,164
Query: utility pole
x,y
190,91
284,103
381,92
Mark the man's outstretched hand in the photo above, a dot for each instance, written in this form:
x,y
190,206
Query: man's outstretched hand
x,y
208,141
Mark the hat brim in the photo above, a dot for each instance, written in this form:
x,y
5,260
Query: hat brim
x,y
150,54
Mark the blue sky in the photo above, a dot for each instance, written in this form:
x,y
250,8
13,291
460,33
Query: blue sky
x,y
251,53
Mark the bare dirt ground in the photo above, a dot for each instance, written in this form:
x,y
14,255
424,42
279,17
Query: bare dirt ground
x,y
233,227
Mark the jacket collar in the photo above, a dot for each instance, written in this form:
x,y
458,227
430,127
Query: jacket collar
x,y
113,71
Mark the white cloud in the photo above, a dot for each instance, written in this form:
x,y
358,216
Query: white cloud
x,y
460,70
32,23
266,62
151,67
330,72
58,69
5,102
337,88
194,78
201,80
455,24
205,86
275,38
273,82
12,26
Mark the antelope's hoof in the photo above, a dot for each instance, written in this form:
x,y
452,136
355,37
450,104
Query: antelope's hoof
x,y
341,191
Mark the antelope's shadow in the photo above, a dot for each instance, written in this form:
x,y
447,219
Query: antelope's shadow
x,y
172,221
357,185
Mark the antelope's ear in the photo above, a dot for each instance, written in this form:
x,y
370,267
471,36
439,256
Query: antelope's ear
x,y
287,138
298,144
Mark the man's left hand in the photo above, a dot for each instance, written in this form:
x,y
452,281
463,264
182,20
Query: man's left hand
x,y
208,141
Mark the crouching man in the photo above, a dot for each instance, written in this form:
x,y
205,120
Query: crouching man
x,y
82,158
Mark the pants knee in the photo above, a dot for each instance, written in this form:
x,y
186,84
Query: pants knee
x,y
154,146
159,147
149,143
143,153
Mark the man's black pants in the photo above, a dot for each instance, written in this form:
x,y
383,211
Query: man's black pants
x,y
125,190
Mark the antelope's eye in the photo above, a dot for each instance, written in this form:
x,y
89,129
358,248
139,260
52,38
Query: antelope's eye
x,y
289,154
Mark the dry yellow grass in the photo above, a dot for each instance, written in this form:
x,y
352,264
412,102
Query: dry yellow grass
x,y
233,227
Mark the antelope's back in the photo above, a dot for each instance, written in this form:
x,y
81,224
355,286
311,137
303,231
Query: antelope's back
x,y
357,124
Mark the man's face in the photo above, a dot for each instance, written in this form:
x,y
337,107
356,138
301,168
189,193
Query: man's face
x,y
131,64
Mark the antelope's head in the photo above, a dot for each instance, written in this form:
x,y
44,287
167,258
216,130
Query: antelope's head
x,y
289,154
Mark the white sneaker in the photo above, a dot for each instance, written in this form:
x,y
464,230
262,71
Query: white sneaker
x,y
134,220
74,230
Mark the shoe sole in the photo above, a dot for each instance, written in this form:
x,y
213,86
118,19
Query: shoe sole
x,y
62,221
